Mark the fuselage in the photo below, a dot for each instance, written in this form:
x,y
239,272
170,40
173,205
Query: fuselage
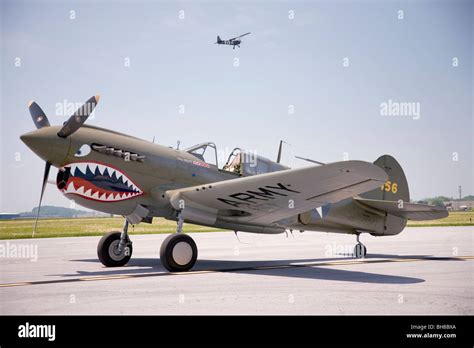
x,y
114,173
230,42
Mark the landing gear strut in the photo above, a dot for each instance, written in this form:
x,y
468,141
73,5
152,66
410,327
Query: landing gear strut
x,y
359,250
178,253
115,248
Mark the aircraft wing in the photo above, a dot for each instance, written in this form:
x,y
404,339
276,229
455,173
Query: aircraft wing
x,y
238,37
410,211
267,198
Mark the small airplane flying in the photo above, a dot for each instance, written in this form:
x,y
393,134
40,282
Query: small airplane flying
x,y
120,174
233,42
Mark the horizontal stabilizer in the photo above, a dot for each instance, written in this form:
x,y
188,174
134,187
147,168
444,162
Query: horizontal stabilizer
x,y
410,211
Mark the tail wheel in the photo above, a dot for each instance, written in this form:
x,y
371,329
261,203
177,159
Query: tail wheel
x,y
178,253
108,250
360,251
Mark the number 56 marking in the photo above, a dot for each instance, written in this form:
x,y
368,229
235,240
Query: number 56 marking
x,y
390,186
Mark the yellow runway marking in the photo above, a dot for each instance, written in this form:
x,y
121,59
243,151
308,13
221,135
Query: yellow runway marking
x,y
191,272
105,278
339,263
405,260
13,284
240,269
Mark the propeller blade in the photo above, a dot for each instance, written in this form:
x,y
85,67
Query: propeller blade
x,y
310,160
38,115
79,117
45,181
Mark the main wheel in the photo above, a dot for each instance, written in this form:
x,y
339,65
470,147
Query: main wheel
x,y
360,251
178,253
107,250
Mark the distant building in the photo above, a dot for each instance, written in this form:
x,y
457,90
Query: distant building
x,y
9,216
459,205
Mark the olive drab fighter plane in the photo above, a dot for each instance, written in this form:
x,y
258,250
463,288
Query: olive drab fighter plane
x,y
235,41
120,174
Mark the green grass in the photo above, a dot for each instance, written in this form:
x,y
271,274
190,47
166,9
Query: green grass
x,y
48,228
455,218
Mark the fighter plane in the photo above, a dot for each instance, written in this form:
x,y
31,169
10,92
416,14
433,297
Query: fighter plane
x,y
115,173
233,42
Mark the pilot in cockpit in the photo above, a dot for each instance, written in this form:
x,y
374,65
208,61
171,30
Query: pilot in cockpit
x,y
234,165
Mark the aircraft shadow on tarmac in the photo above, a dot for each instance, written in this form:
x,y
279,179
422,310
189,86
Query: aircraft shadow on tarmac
x,y
300,268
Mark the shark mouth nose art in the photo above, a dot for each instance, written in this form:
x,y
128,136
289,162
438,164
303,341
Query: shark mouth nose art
x,y
97,182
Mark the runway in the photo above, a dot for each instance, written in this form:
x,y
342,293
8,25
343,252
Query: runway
x,y
421,271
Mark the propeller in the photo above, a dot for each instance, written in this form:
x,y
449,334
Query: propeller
x,y
79,117
40,120
45,181
70,126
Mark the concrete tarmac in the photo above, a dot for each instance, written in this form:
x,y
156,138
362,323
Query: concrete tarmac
x,y
421,271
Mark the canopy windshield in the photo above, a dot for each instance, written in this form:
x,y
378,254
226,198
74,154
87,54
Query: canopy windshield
x,y
205,152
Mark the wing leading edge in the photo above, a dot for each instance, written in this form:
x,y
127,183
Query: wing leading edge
x,y
238,37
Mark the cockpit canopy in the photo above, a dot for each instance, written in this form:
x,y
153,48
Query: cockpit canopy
x,y
239,162
247,163
206,152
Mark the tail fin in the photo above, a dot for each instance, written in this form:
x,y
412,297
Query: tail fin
x,y
218,39
393,198
396,186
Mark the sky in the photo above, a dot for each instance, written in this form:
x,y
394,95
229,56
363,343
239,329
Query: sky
x,y
320,75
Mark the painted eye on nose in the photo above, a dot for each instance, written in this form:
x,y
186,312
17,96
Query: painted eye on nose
x,y
84,150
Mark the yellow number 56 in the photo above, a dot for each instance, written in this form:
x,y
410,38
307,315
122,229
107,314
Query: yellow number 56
x,y
389,186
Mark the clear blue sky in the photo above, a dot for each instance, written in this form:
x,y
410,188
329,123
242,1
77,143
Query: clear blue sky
x,y
283,62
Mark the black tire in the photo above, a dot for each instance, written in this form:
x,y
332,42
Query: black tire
x,y
168,253
360,251
104,250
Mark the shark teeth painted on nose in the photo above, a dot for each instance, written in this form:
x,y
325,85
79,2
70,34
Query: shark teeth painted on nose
x,y
99,182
